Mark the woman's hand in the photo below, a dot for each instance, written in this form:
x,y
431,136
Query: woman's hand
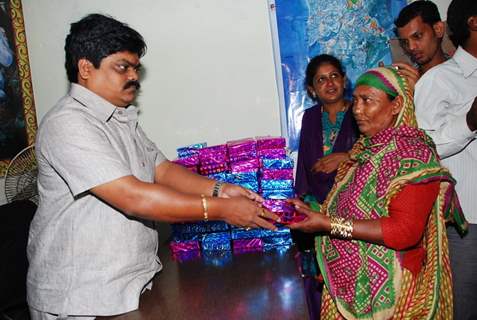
x,y
228,190
330,163
315,221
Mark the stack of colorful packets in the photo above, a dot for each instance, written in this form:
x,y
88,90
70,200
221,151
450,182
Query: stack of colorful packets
x,y
243,155
239,162
188,156
275,180
213,160
271,147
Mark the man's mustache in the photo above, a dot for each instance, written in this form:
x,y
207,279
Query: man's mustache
x,y
131,83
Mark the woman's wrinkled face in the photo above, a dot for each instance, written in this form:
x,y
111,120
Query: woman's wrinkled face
x,y
328,84
373,109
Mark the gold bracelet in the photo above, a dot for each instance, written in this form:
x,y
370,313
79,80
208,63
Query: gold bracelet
x,y
205,207
341,227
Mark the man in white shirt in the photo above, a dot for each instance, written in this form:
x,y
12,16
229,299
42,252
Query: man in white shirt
x,y
92,248
420,31
446,107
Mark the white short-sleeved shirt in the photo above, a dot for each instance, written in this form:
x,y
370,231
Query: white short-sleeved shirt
x,y
443,96
86,257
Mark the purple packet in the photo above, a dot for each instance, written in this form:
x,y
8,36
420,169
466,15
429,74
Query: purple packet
x,y
277,174
242,146
247,245
236,157
245,166
213,169
269,142
184,246
272,153
279,205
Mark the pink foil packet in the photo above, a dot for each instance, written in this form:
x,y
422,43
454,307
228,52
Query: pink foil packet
x,y
269,142
247,245
275,153
245,166
278,174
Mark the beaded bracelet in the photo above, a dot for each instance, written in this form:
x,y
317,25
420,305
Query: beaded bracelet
x,y
205,207
215,192
341,227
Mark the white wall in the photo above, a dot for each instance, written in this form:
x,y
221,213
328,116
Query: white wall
x,y
209,70
443,5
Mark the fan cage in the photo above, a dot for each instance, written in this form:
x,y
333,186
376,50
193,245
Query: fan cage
x,y
21,176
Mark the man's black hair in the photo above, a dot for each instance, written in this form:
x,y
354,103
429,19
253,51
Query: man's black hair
x,y
97,36
458,13
425,9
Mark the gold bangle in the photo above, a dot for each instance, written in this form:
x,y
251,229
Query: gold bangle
x,y
205,207
341,227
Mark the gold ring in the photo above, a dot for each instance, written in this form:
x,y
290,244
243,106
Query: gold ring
x,y
248,228
262,213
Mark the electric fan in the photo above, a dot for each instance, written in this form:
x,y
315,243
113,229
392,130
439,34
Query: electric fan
x,y
20,177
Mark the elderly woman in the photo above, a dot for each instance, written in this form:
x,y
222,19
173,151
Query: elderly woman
x,y
383,252
328,132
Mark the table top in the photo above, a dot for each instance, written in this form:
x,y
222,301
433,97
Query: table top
x,y
242,286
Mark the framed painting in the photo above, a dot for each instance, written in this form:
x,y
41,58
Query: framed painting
x,y
17,109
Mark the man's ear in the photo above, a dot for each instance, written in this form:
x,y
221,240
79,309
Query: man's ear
x,y
472,23
84,68
439,29
397,105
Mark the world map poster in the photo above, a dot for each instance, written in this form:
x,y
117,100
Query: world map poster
x,y
355,31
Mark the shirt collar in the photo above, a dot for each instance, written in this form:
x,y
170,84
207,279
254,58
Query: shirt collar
x,y
100,107
466,62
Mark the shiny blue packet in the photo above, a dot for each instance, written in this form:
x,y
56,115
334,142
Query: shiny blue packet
x,y
278,194
286,163
217,241
280,232
240,177
217,258
279,241
190,150
221,176
276,184
248,234
199,227
177,236
251,185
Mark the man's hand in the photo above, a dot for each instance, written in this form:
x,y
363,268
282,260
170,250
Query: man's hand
x,y
472,116
228,190
245,213
330,163
409,72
